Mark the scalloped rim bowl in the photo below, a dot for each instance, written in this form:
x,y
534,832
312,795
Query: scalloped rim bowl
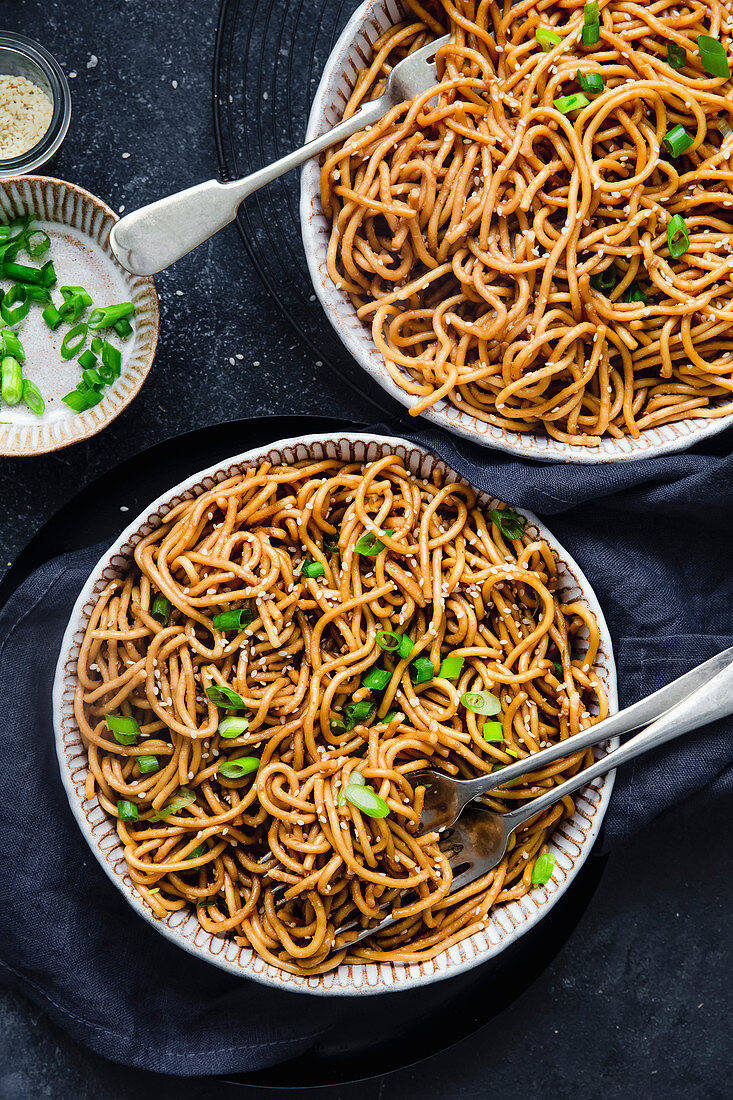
x,y
79,224
350,53
571,842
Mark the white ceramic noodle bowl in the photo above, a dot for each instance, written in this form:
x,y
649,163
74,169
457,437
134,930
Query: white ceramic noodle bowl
x,y
349,55
571,842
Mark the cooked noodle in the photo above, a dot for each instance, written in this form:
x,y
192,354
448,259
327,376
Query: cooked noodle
x,y
469,227
448,579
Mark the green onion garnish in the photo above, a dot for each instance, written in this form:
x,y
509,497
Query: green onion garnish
x,y
148,764
20,273
543,868
422,670
377,679
590,83
357,712
91,379
366,800
676,55
237,769
73,341
369,545
48,274
123,328
331,543
225,697
233,620
37,243
511,524
126,730
451,666
591,14
312,569
11,380
547,38
15,304
633,293
32,397
604,280
183,798
392,714
713,57
88,360
112,358
81,399
678,239
557,666
566,104
481,702
677,141
356,779
161,610
52,317
493,731
232,727
127,811
591,34
199,850
12,345
394,643
109,315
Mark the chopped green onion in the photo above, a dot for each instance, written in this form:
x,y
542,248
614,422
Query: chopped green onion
x,y
91,379
543,868
493,731
126,730
185,798
88,360
369,545
232,727
52,317
422,670
11,380
106,318
225,697
15,304
676,55
591,14
37,293
590,83
511,752
633,293
81,399
148,764
20,273
511,524
568,103
678,239
68,292
357,712
677,141
312,569
377,679
32,397
591,34
199,850
73,307
48,274
123,328
233,620
37,243
604,280
388,639
547,38
127,811
12,345
481,702
161,609
713,56
366,800
112,358
237,769
392,714
356,779
451,666
73,341
331,544
557,666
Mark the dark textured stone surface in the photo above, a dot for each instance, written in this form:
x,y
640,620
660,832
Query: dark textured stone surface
x,y
638,1001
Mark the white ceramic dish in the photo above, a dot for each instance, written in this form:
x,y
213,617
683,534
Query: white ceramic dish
x,y
571,842
78,224
349,55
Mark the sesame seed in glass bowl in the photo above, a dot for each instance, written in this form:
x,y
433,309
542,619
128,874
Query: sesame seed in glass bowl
x,y
35,104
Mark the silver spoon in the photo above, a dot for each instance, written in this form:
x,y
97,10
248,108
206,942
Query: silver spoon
x,y
445,797
481,836
155,236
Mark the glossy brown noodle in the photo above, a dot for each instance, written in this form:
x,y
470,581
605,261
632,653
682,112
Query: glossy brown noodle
x,y
446,578
467,229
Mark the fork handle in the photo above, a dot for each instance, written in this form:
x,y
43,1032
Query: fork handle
x,y
711,701
155,236
638,714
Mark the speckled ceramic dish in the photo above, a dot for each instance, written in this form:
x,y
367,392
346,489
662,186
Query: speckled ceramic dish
x,y
78,225
350,54
571,842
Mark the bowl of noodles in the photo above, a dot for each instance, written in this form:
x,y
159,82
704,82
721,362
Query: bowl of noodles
x,y
227,677
537,255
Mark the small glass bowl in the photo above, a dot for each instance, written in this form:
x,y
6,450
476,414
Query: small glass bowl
x,y
21,56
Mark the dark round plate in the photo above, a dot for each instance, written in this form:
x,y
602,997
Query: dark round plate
x,y
377,1034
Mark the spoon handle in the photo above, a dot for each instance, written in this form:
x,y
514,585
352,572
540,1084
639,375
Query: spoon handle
x,y
638,714
711,701
155,236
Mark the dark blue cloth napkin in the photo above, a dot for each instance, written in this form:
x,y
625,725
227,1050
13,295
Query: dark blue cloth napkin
x,y
653,537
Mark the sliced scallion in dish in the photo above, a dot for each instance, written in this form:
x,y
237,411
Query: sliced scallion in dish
x,y
377,679
511,524
481,702
590,83
422,670
677,141
543,868
493,731
238,619
604,280
713,56
566,104
312,569
676,55
366,800
223,696
184,798
451,666
547,39
633,293
232,727
126,730
237,769
127,811
107,316
369,545
15,304
198,851
37,242
12,345
74,341
161,609
11,380
148,764
32,397
678,239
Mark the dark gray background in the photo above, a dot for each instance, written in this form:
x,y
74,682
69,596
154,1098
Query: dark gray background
x,y
639,998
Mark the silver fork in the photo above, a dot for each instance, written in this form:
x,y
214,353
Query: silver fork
x,y
155,236
482,836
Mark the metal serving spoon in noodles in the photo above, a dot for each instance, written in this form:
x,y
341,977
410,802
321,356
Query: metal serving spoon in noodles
x,y
154,237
